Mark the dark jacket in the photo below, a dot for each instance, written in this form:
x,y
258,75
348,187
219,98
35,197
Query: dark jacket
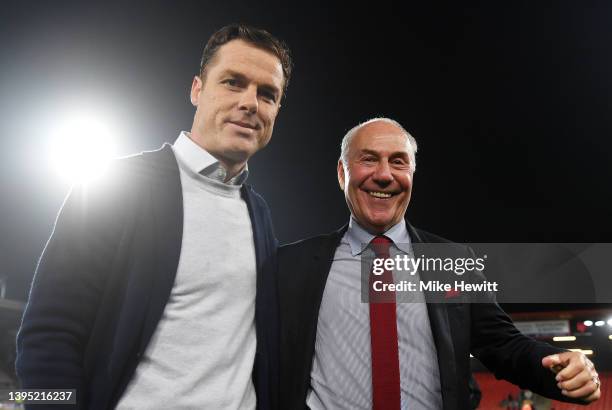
x,y
458,329
106,274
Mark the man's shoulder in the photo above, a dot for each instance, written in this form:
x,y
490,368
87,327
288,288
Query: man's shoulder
x,y
329,239
425,236
312,245
125,177
161,159
299,262
139,164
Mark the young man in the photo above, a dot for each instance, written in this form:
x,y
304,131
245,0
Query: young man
x,y
151,292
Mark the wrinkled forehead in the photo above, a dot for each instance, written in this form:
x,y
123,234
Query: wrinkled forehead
x,y
381,136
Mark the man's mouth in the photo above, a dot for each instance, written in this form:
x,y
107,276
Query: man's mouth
x,y
245,124
380,194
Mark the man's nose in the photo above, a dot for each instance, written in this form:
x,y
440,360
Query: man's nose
x,y
248,100
382,175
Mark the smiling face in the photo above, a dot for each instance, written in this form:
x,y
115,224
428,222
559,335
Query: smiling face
x,y
237,101
377,178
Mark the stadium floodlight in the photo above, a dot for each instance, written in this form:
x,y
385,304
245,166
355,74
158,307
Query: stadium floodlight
x,y
564,338
82,146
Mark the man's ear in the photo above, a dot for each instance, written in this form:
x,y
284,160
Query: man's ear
x,y
341,174
196,88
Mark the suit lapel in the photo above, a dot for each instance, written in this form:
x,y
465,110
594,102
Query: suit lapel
x,y
440,328
323,258
265,298
265,372
160,206
259,231
321,265
167,197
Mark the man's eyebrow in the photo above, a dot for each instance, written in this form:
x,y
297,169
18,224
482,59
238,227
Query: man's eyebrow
x,y
402,154
270,89
232,73
396,154
239,76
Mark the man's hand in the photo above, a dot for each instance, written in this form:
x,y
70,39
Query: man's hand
x,y
576,375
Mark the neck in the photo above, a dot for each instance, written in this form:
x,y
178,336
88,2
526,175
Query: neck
x,y
232,167
373,230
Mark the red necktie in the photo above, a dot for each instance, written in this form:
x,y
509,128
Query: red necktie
x,y
383,335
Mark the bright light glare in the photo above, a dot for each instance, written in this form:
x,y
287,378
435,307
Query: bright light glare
x,y
610,322
564,338
81,147
599,323
588,323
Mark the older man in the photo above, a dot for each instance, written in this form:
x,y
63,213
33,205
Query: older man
x,y
340,353
151,292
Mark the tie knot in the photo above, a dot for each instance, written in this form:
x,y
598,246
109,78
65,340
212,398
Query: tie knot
x,y
381,245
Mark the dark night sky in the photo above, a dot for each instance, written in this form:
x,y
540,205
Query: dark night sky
x,y
510,104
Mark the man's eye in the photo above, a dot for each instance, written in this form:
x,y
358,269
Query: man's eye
x,y
231,82
268,97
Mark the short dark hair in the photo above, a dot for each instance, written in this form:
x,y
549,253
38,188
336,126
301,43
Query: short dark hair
x,y
255,36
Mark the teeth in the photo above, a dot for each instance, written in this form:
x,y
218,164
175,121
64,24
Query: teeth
x,y
380,194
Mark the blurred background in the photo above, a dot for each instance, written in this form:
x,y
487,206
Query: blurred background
x,y
510,104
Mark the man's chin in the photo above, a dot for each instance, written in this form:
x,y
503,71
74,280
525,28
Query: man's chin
x,y
376,226
240,151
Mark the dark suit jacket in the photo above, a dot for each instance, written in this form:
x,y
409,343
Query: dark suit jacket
x,y
106,274
459,329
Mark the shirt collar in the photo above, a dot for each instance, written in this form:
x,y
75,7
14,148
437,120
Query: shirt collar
x,y
358,238
200,161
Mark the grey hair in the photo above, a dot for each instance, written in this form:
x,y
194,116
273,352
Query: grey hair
x,y
348,137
